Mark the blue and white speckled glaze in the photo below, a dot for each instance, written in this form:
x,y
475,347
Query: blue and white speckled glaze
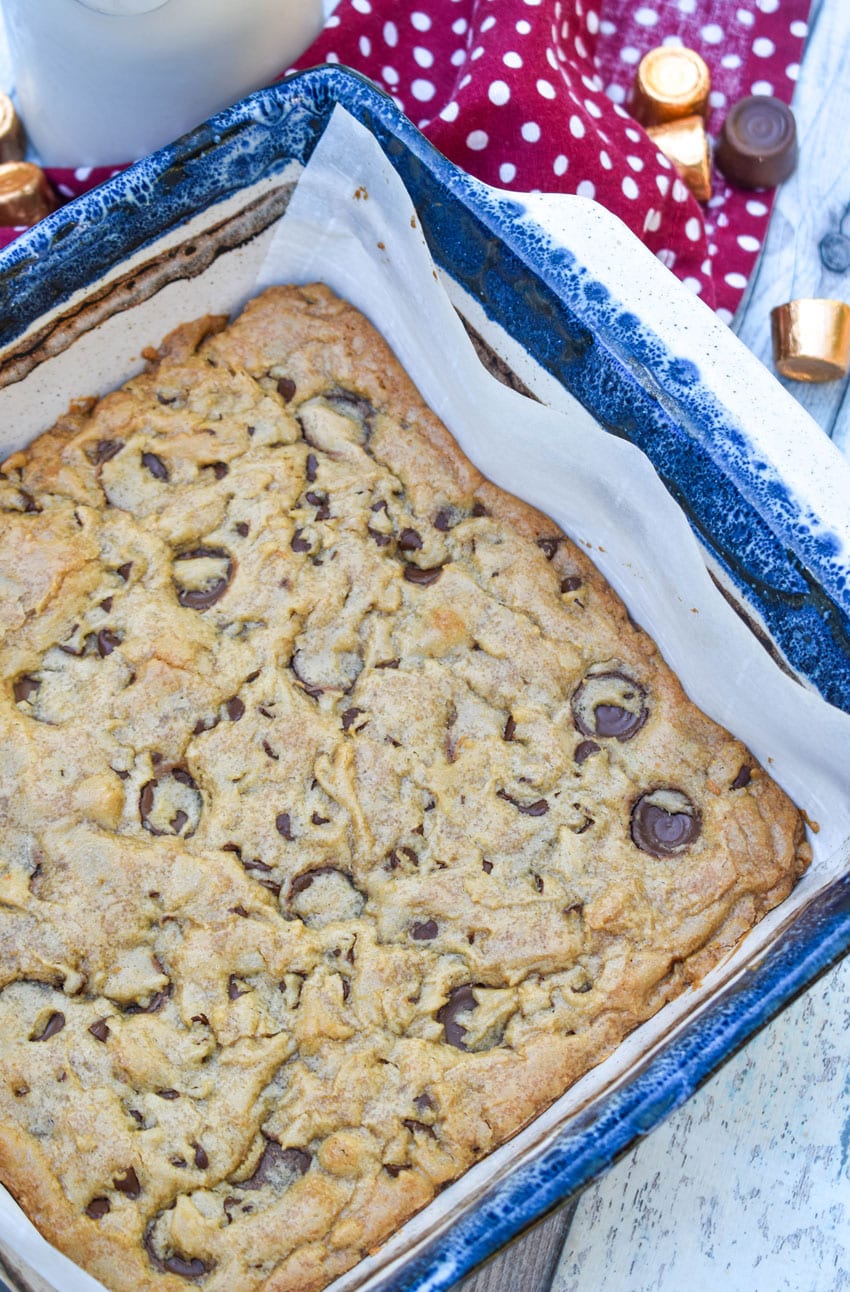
x,y
790,565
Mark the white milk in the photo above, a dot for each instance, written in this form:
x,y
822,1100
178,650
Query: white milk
x,y
103,81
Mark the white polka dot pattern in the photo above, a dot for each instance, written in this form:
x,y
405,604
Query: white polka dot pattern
x,y
534,94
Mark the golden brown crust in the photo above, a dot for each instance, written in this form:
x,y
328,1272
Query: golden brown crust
x,y
347,817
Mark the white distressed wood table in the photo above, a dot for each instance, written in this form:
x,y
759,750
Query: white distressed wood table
x,y
747,1187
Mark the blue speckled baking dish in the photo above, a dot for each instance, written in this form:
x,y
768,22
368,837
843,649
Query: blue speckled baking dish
x,y
547,292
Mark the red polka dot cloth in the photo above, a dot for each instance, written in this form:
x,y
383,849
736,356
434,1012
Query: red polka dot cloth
x,y
532,95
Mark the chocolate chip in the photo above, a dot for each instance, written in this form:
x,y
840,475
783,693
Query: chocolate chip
x,y
350,716
388,663
317,819
424,1102
25,687
745,775
283,823
479,510
394,1169
242,528
664,823
158,795
415,1126
128,1183
610,705
187,1269
269,752
346,989
571,583
123,571
54,1024
203,597
98,1208
410,540
487,867
549,546
155,465
235,708
179,820
107,640
220,470
256,864
155,1003
422,576
104,450
286,389
299,544
445,520
99,1029
460,1001
168,1094
538,882
510,728
106,604
424,932
312,467
539,808
201,1159
383,540
352,405
584,750
236,987
274,1158
308,687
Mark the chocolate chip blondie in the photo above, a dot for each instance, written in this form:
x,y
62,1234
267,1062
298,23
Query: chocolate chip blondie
x,y
346,816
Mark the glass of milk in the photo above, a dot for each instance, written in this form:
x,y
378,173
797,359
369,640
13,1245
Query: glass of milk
x,y
106,81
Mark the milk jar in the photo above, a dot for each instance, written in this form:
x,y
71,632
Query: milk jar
x,y
106,81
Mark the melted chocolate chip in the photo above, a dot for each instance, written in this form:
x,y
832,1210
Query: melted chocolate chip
x,y
305,879
318,819
242,528
350,716
549,545
415,1126
106,604
286,389
128,1183
584,750
571,583
410,540
745,775
235,708
479,510
444,520
510,728
312,467
155,465
424,1102
201,1159
107,640
274,1158
104,450
283,824
236,987
149,795
461,1000
422,577
394,1169
98,1208
269,752
220,469
388,663
609,705
54,1024
99,1029
203,598
383,540
178,821
424,932
187,1269
539,808
299,544
155,1003
664,823
168,1094
25,688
